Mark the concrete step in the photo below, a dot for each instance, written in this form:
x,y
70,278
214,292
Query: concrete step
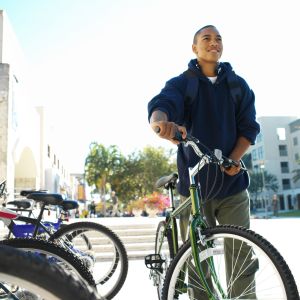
x,y
132,255
135,232
137,235
139,239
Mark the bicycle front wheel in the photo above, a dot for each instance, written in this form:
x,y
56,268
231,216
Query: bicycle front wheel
x,y
236,263
101,250
163,247
20,274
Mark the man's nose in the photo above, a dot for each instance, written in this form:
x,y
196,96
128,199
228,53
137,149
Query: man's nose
x,y
214,42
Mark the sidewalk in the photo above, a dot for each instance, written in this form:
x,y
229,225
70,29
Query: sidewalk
x,y
282,233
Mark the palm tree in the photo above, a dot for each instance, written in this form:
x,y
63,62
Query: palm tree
x,y
100,164
260,181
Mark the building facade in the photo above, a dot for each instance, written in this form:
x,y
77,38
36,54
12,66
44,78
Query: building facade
x,y
29,158
277,151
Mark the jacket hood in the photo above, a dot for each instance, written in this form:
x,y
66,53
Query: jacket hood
x,y
222,69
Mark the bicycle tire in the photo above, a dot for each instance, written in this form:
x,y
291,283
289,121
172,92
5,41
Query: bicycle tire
x,y
54,252
110,279
267,274
163,247
23,269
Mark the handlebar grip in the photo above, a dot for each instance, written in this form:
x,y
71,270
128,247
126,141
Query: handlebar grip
x,y
157,129
177,136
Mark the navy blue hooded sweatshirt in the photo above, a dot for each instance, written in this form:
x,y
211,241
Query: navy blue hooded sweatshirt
x,y
216,120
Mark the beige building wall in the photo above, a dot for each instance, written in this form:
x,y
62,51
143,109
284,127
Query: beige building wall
x,y
28,156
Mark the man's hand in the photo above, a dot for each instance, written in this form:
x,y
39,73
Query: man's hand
x,y
241,147
167,130
233,170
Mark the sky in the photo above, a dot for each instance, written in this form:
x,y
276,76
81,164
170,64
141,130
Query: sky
x,y
96,64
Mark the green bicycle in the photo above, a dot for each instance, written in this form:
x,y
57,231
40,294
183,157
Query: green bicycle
x,y
222,262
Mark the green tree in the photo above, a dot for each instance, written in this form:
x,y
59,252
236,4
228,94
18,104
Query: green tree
x,y
260,181
296,177
155,163
126,180
100,165
130,177
140,171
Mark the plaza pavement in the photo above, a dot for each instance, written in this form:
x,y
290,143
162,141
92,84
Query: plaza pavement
x,y
283,233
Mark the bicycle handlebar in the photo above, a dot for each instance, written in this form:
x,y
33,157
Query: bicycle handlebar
x,y
216,157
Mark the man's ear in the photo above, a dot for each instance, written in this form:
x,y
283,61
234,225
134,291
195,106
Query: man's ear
x,y
194,49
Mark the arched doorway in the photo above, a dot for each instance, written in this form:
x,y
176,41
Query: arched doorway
x,y
26,176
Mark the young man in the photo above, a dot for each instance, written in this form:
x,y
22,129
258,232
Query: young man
x,y
219,122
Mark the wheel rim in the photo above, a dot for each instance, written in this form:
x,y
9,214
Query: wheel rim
x,y
53,258
165,255
266,283
100,254
24,289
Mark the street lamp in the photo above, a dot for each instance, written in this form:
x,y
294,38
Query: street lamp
x,y
262,168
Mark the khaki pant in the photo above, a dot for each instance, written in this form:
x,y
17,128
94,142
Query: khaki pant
x,y
232,210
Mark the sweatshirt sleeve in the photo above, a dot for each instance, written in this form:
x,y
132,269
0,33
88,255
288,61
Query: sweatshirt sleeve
x,y
170,100
246,115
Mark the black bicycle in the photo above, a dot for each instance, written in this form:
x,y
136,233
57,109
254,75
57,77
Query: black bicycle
x,y
96,246
25,276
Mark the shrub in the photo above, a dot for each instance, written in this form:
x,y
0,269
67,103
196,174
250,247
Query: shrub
x,y
156,200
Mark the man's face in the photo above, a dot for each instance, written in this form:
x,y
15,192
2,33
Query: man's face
x,y
209,46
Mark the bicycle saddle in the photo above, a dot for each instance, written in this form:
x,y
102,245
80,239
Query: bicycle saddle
x,y
167,181
25,193
47,198
21,203
69,204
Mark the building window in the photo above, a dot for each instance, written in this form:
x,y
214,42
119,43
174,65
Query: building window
x,y
295,141
254,155
260,153
54,159
283,150
281,134
296,156
286,184
58,164
284,167
48,151
259,138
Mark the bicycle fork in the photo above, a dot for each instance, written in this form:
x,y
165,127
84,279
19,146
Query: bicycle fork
x,y
198,246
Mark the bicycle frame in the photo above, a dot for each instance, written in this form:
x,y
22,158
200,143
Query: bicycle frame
x,y
197,223
32,226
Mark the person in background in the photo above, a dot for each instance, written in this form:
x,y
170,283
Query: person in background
x,y
92,209
275,205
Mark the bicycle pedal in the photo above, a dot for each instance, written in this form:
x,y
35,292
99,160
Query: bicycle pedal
x,y
154,262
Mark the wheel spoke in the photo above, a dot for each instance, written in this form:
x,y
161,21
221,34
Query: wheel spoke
x,y
236,264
